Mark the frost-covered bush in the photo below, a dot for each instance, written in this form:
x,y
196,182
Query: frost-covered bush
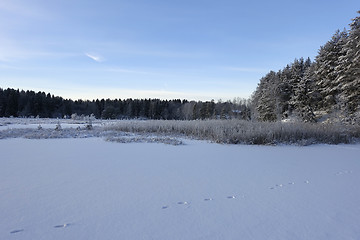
x,y
239,131
89,125
58,126
220,131
46,133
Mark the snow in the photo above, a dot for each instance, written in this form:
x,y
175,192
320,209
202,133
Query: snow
x,y
33,128
46,123
88,188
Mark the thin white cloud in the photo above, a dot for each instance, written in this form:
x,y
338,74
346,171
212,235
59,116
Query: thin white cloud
x,y
116,69
245,69
146,49
23,8
12,50
123,70
169,54
11,55
95,57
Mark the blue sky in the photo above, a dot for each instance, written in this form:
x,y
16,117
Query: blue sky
x,y
196,50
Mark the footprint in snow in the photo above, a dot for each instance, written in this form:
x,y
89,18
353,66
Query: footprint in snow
x,y
62,225
307,182
231,197
208,199
276,186
17,231
280,185
344,172
165,207
182,203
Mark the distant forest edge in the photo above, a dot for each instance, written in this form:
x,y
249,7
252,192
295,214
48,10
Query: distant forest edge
x,y
327,89
18,103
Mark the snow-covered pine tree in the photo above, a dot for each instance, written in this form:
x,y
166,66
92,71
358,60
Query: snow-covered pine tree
x,y
279,103
284,92
264,98
322,88
326,71
292,76
349,73
305,96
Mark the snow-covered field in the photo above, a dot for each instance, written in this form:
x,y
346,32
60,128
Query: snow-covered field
x,y
88,188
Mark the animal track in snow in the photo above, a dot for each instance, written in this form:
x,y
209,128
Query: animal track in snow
x,y
62,225
289,184
56,226
17,231
277,186
344,172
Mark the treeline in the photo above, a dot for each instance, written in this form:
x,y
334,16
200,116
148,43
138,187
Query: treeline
x,y
18,103
326,89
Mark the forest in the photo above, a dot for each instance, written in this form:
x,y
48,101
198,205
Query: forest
x,y
324,90
327,89
22,103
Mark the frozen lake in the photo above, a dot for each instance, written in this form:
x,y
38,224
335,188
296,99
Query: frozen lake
x,y
93,189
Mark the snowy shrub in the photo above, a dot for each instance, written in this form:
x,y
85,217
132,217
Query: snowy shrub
x,y
58,127
245,132
220,131
89,125
144,139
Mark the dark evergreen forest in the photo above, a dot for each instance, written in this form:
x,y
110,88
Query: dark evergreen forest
x,y
18,103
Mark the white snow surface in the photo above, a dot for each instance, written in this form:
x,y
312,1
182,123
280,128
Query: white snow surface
x,y
46,123
88,188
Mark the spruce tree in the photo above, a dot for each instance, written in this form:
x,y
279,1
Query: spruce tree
x,y
349,72
326,71
264,98
306,96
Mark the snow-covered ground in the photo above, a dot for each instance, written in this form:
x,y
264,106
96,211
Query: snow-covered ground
x,y
46,123
88,188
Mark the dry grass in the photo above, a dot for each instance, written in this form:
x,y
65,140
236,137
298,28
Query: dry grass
x,y
245,132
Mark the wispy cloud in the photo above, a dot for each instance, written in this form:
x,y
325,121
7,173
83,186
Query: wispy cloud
x,y
125,70
11,52
95,57
146,49
23,8
168,54
246,69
